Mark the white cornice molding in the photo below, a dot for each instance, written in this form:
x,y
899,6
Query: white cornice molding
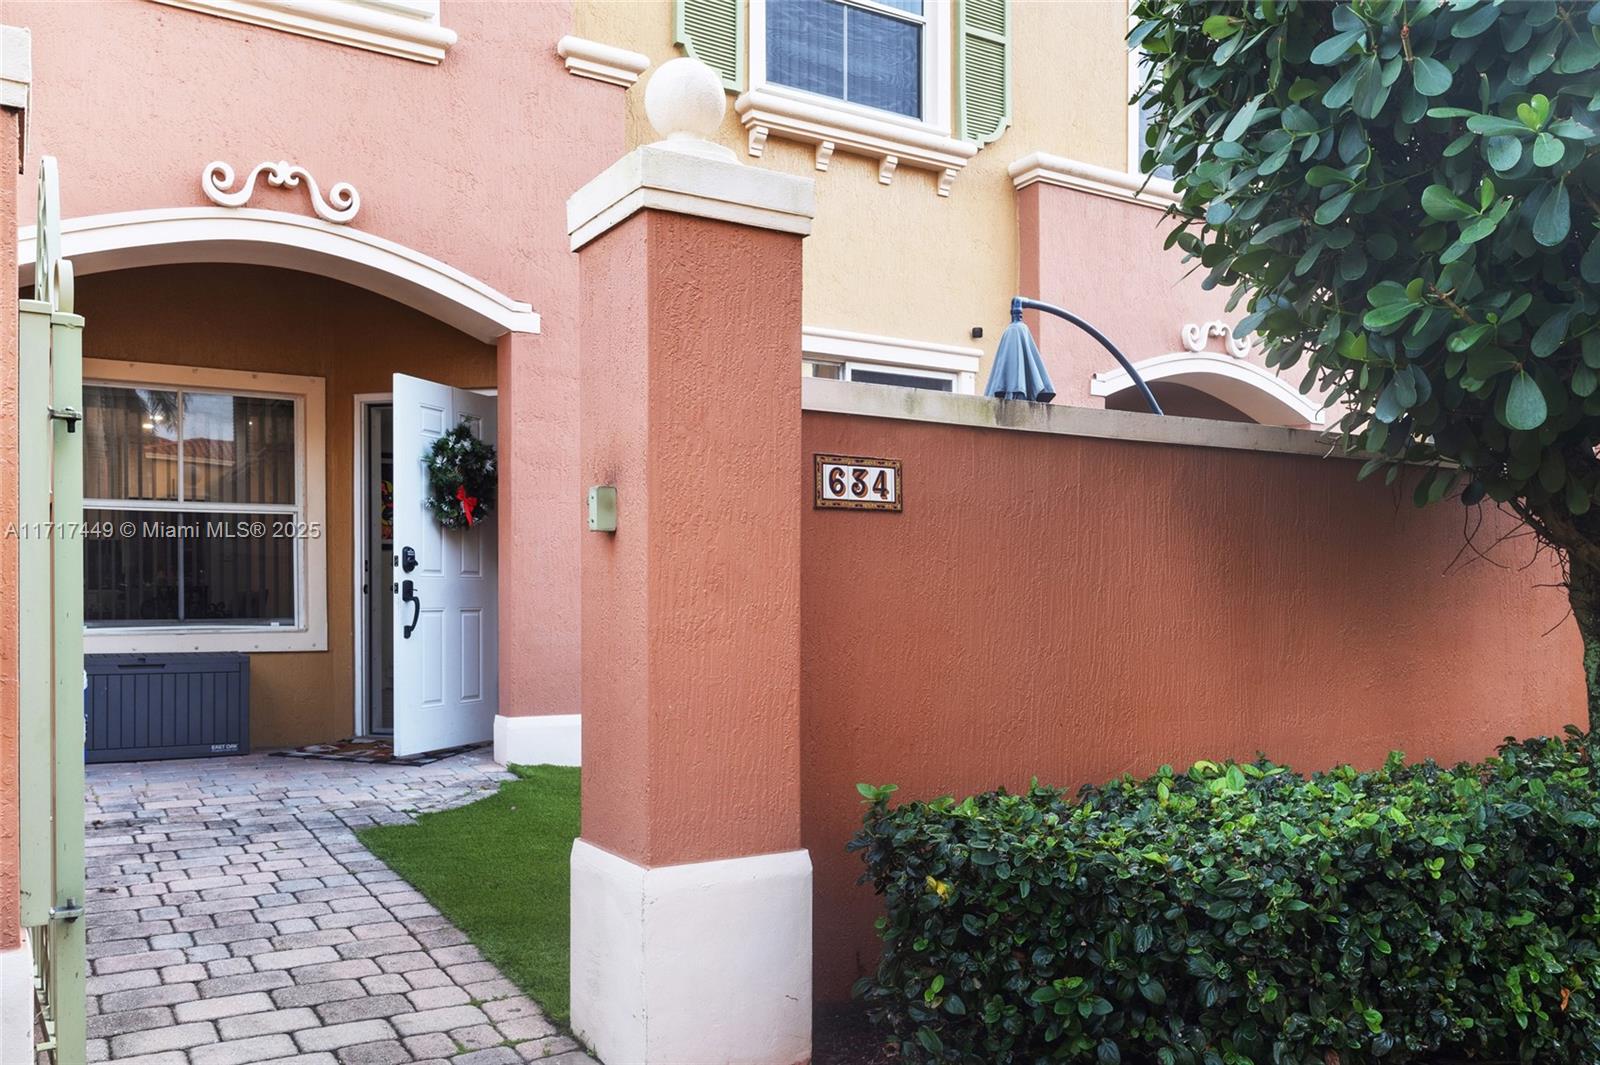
x,y
406,28
16,67
683,180
980,412
602,62
130,239
1044,168
836,127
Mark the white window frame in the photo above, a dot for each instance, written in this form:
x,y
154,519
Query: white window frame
x,y
863,351
838,125
937,70
408,29
310,631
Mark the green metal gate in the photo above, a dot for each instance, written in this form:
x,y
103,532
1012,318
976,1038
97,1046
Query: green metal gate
x,y
50,632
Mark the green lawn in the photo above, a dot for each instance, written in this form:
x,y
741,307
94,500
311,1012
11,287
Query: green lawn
x,y
499,869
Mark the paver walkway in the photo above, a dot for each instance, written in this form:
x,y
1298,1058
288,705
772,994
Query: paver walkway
x,y
234,917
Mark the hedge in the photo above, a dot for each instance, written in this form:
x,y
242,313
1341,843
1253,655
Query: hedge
x,y
1240,913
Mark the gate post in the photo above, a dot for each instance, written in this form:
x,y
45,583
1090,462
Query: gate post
x,y
691,893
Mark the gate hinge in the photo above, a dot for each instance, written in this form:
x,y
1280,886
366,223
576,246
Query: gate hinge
x,y
70,912
71,415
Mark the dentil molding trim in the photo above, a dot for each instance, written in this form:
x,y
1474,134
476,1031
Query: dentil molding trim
x,y
340,207
833,127
601,62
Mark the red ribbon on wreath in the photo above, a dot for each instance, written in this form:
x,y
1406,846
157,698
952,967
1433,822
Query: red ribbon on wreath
x,y
467,503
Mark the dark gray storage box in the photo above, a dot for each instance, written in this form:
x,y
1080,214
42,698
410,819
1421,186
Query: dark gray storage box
x,y
139,707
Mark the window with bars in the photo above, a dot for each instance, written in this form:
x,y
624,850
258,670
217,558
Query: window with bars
x,y
865,52
194,503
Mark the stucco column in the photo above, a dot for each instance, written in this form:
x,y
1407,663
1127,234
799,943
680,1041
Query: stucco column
x,y
691,895
537,723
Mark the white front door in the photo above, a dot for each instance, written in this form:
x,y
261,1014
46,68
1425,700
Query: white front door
x,y
446,592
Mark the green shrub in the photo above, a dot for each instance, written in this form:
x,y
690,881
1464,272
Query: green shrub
x,y
1244,914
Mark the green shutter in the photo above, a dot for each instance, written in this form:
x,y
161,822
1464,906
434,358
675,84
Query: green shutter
x,y
983,68
713,32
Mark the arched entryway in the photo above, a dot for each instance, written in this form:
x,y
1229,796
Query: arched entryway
x,y
1209,385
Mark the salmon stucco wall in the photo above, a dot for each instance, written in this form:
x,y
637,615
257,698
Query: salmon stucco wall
x,y
10,935
282,321
469,161
1074,608
691,608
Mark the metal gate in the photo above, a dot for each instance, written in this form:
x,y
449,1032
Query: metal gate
x,y
50,632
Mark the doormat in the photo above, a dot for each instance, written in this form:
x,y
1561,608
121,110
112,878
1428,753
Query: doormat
x,y
377,752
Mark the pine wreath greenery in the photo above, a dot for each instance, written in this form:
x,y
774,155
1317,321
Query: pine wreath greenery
x,y
462,477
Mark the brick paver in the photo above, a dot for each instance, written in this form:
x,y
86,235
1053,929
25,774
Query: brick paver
x,y
234,917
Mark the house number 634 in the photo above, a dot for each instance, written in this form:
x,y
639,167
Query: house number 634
x,y
846,482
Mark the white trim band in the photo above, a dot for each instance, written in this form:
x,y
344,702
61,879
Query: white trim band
x,y
709,961
97,243
839,127
538,739
392,27
980,412
665,178
1257,392
601,62
1046,169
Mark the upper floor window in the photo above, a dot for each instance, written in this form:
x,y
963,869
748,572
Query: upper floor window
x,y
866,52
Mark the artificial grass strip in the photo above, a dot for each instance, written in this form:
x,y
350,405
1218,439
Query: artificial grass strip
x,y
499,868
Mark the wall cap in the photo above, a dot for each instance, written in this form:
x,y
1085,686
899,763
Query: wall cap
x,y
601,62
662,178
16,67
980,412
1046,169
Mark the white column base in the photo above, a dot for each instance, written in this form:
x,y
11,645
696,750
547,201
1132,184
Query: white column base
x,y
16,1003
548,739
709,961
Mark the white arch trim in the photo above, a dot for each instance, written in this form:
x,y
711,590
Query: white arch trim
x,y
97,243
1258,393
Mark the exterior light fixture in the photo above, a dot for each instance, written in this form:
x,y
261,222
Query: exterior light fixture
x,y
1018,371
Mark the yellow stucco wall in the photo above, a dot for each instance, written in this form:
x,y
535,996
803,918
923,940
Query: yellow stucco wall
x,y
899,260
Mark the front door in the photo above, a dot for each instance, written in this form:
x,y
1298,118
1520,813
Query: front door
x,y
444,583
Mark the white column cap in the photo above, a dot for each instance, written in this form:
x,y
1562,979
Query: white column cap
x,y
687,173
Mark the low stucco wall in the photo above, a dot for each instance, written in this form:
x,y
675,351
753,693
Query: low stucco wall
x,y
1073,608
281,321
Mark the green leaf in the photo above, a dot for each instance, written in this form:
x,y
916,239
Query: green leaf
x,y
1467,337
1503,153
1387,315
1322,176
1334,48
1547,150
1554,220
1495,126
1439,202
1525,405
1242,120
1584,381
1550,334
1589,267
1429,76
1578,497
1221,27
1333,210
1107,1053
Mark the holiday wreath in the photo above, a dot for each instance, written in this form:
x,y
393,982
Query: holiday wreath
x,y
461,479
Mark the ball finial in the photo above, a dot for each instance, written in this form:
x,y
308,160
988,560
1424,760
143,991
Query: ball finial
x,y
685,100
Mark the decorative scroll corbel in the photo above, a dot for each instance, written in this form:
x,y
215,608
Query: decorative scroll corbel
x,y
1194,338
340,207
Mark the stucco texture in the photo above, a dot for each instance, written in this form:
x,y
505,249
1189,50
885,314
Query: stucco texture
x,y
900,260
282,321
469,161
1074,608
691,621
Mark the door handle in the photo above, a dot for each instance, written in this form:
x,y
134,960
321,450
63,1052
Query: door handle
x,y
408,594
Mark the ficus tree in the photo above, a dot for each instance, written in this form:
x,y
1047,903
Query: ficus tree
x,y
1405,194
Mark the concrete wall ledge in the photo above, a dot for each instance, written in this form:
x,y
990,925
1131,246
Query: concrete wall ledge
x,y
980,412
